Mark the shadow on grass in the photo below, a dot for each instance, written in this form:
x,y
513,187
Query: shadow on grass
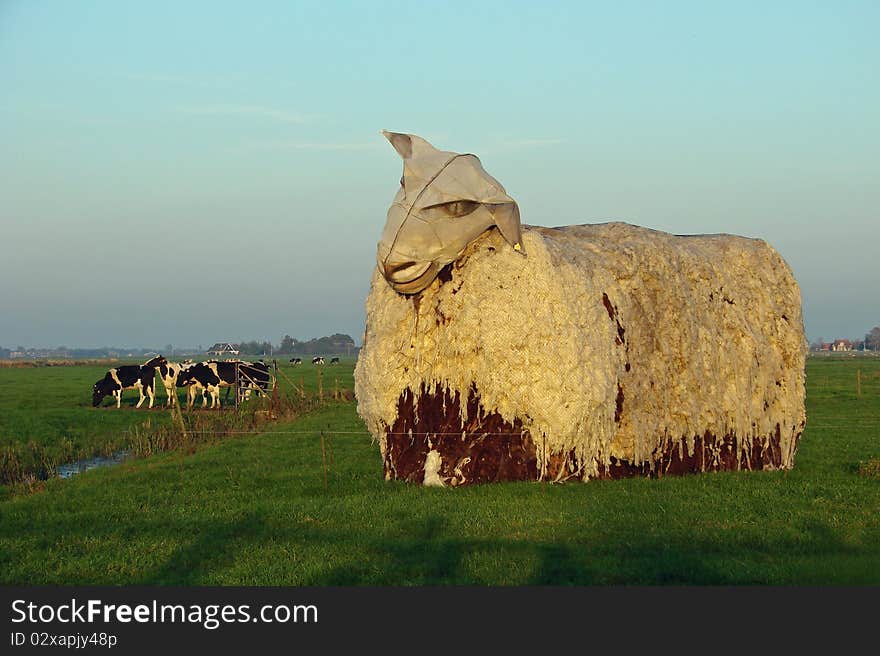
x,y
428,557
423,557
214,547
428,552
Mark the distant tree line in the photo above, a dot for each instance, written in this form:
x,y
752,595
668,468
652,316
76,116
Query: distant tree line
x,y
336,344
872,339
256,348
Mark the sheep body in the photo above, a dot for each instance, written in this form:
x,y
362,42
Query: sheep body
x,y
610,349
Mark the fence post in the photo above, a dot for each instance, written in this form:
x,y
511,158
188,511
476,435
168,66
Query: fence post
x,y
275,387
177,414
237,385
859,381
324,459
320,386
280,372
335,389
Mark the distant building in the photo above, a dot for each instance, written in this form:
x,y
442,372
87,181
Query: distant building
x,y
841,345
220,349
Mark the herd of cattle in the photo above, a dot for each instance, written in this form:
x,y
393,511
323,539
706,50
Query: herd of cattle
x,y
206,378
315,360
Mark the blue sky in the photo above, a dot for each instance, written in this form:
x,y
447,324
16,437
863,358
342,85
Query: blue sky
x,y
204,171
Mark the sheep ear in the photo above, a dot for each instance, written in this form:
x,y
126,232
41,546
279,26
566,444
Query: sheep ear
x,y
402,143
506,217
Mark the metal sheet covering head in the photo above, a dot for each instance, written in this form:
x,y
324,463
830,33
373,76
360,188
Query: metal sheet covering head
x,y
445,201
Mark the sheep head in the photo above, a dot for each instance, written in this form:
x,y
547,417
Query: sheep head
x,y
445,201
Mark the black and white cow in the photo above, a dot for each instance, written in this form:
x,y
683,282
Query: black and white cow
x,y
214,374
253,376
168,374
193,387
334,360
296,361
211,375
318,360
141,377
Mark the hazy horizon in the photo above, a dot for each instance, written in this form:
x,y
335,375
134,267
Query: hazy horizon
x,y
189,348
202,172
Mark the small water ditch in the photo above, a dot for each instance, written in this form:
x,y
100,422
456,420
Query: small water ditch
x,y
78,467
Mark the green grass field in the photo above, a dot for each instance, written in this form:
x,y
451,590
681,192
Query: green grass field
x,y
254,510
47,418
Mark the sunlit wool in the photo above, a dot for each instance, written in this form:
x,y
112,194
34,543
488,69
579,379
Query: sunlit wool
x,y
608,342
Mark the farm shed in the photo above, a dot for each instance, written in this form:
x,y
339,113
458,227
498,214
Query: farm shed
x,y
608,350
223,348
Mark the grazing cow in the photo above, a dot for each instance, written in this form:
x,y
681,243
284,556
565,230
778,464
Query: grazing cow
x,y
318,360
168,373
141,377
334,360
296,361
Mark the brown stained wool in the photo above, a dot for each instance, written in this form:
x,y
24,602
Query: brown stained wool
x,y
485,448
618,410
445,274
710,454
612,314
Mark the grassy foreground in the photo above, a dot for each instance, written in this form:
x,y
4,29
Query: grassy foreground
x,y
254,510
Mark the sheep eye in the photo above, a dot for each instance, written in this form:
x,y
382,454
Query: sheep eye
x,y
457,208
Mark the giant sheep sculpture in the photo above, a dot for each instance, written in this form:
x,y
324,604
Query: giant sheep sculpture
x,y
498,351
